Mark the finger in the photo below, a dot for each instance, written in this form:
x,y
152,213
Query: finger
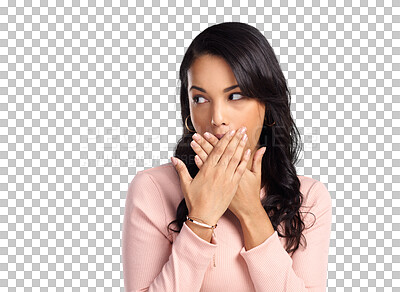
x,y
198,161
242,167
199,151
237,157
210,138
204,144
231,149
256,165
184,175
219,149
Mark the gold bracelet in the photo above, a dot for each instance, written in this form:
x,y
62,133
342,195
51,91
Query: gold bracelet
x,y
201,224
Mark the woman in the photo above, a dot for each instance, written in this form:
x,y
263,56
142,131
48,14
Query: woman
x,y
242,222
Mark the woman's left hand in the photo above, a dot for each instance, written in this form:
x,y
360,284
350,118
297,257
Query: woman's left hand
x,y
247,197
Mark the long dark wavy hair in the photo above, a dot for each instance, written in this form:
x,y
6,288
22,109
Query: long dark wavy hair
x,y
259,76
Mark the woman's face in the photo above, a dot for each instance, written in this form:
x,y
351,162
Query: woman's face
x,y
216,106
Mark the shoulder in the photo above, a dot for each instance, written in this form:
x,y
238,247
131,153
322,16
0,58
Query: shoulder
x,y
160,183
315,194
161,175
156,181
316,212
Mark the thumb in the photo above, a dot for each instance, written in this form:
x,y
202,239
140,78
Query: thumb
x,y
181,169
257,159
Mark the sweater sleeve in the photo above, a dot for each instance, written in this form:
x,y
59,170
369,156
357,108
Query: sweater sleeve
x,y
272,269
151,262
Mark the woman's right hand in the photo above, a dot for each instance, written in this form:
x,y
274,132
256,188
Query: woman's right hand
x,y
209,194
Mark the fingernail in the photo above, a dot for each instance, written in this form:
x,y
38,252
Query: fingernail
x,y
195,136
207,135
248,153
174,161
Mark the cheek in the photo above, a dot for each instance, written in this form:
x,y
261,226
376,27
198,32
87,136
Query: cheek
x,y
198,122
254,135
253,139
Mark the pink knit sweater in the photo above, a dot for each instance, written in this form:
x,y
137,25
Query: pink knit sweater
x,y
157,260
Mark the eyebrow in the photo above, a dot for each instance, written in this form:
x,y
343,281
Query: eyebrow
x,y
225,90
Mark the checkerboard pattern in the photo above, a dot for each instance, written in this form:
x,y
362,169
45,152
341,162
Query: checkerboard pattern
x,y
89,96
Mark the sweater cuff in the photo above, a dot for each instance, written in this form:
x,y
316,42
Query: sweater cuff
x,y
193,248
270,251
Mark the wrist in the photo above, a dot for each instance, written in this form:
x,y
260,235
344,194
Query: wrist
x,y
203,233
257,212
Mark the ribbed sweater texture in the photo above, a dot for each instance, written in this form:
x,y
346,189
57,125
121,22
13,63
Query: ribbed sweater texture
x,y
157,259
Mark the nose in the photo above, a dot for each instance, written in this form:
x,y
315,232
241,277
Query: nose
x,y
219,115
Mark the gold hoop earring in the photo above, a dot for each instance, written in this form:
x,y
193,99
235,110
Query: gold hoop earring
x,y
187,125
269,125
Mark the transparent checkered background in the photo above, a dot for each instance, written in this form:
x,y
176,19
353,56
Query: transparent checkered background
x,y
89,97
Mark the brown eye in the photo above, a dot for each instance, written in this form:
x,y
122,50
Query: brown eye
x,y
234,95
196,98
